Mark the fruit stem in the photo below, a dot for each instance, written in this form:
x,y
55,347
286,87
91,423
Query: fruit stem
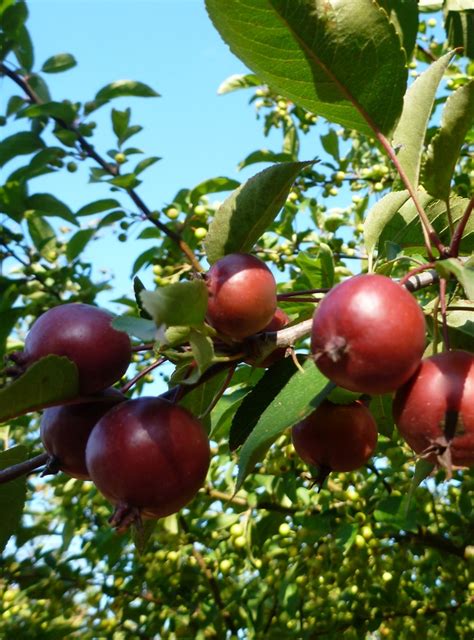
x,y
111,169
219,393
459,230
420,269
429,234
303,292
23,468
443,307
126,387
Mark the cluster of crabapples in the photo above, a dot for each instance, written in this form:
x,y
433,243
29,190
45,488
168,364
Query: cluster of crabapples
x,y
149,457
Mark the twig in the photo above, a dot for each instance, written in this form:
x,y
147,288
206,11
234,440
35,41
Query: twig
x,y
141,374
106,166
23,468
443,305
459,230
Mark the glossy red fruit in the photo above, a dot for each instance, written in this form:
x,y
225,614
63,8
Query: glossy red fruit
x,y
279,321
434,410
368,334
336,437
242,295
148,457
84,334
65,430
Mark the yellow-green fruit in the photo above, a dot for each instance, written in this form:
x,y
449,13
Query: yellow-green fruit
x,y
225,565
240,542
200,233
120,158
284,529
236,530
172,213
199,210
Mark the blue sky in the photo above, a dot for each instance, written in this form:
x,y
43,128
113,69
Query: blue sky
x,y
172,46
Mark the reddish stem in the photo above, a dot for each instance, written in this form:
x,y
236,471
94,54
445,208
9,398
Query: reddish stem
x,y
141,374
459,230
443,305
415,271
23,468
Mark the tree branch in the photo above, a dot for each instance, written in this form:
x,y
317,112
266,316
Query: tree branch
x,y
23,468
106,166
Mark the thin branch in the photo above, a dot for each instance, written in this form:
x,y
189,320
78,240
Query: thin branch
x,y
106,166
126,387
23,468
443,306
458,232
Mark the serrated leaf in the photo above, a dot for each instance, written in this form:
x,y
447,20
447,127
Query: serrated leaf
x,y
121,88
49,205
443,152
78,242
182,303
462,271
404,17
98,207
255,402
341,60
380,215
47,382
238,81
58,63
299,397
12,495
404,227
245,215
213,185
138,287
140,328
417,107
18,144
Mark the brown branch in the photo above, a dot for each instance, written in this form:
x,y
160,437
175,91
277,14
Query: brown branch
x,y
126,387
23,468
106,166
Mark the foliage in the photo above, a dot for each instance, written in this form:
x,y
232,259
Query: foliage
x,y
259,553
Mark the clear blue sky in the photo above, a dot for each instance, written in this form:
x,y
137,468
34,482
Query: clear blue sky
x,y
172,46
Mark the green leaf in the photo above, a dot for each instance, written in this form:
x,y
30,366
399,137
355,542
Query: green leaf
x,y
39,86
393,511
443,152
120,122
140,328
238,81
340,60
411,130
423,469
142,533
49,381
12,495
145,163
264,155
41,232
125,181
380,215
462,271
59,110
245,215
182,303
461,327
213,185
13,199
330,142
138,287
404,227
459,25
199,399
18,144
58,63
98,207
49,205
13,18
318,268
299,397
23,49
145,258
121,88
78,242
403,15
8,319
259,398
202,348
